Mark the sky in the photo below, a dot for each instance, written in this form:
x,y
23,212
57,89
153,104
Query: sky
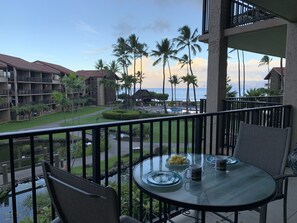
x,y
76,33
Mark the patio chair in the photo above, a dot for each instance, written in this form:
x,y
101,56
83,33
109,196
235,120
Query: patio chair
x,y
266,148
77,200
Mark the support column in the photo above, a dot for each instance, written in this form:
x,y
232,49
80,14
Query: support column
x,y
217,55
217,69
290,77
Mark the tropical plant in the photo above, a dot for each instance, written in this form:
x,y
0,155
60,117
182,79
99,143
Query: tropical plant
x,y
73,85
142,51
189,40
99,65
243,72
114,68
238,70
175,81
229,92
265,60
121,51
187,79
164,51
140,77
193,81
254,92
133,48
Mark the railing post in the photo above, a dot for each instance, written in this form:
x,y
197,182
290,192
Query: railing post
x,y
45,153
96,155
56,160
4,174
287,116
255,117
198,135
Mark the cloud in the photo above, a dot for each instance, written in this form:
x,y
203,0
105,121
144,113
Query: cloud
x,y
159,25
93,51
123,28
154,74
85,28
254,74
165,3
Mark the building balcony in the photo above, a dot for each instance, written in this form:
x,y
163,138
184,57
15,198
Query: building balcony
x,y
241,13
106,153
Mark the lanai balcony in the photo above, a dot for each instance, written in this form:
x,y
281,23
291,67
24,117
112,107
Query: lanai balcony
x,y
106,153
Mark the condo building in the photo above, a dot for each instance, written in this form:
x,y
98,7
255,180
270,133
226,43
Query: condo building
x,y
28,83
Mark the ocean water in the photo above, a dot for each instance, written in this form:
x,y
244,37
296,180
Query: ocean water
x,y
181,93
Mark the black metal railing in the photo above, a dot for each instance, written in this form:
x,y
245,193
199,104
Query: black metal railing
x,y
235,103
241,13
117,146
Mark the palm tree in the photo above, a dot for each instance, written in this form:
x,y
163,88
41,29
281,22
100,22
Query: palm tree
x,y
238,68
243,73
114,67
120,50
142,51
175,81
139,78
188,40
73,85
133,48
184,60
99,65
164,51
265,60
171,84
187,79
127,82
229,92
193,81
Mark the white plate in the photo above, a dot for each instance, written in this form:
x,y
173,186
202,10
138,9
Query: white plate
x,y
162,178
230,160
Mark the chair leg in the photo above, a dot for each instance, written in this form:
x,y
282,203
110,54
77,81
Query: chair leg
x,y
263,214
285,209
285,200
235,216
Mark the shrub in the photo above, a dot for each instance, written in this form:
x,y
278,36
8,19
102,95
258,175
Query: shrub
x,y
121,114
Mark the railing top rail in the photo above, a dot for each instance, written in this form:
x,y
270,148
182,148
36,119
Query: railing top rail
x,y
36,132
253,102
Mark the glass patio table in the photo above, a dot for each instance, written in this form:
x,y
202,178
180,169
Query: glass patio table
x,y
241,187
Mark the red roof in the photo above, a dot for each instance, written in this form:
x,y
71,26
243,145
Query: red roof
x,y
3,65
94,73
277,70
55,66
25,65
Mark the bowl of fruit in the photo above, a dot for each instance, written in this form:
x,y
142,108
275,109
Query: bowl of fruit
x,y
177,162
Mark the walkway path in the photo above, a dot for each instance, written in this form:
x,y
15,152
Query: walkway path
x,y
58,123
26,173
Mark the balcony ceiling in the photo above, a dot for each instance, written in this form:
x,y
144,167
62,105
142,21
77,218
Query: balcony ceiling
x,y
286,9
268,41
265,37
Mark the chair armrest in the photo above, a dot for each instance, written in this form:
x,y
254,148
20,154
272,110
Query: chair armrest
x,y
74,188
284,176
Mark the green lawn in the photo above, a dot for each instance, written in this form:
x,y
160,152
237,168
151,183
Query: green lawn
x,y
96,118
55,117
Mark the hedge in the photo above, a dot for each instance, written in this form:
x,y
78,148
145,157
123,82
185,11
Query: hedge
x,y
130,114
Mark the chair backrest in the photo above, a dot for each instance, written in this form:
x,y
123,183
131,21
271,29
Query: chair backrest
x,y
78,200
265,147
